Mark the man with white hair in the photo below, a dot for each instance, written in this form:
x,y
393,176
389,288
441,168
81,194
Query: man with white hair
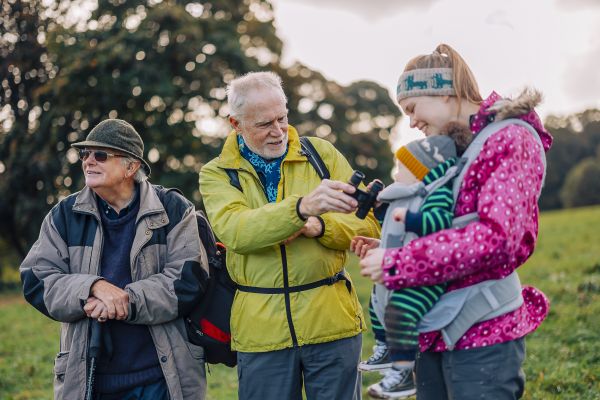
x,y
296,319
125,253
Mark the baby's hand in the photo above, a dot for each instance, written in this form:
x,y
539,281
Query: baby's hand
x,y
361,244
399,214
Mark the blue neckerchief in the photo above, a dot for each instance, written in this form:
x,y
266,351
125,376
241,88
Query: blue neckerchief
x,y
269,171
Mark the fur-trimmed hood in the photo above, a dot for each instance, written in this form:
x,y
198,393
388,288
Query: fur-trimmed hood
x,y
496,108
520,105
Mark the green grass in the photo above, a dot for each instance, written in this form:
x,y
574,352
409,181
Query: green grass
x,y
563,356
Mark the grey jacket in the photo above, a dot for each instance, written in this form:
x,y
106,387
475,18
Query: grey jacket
x,y
165,259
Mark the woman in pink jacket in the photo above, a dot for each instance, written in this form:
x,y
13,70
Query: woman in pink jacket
x,y
438,92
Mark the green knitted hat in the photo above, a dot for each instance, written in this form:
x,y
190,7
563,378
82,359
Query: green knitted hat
x,y
118,135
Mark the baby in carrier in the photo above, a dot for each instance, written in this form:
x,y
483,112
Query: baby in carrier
x,y
420,202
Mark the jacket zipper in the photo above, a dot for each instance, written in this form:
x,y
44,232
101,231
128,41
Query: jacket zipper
x,y
284,267
286,285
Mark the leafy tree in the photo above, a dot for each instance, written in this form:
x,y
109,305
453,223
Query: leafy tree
x,y
576,137
24,153
357,118
163,66
582,186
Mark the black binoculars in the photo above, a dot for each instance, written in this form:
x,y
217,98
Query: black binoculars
x,y
366,199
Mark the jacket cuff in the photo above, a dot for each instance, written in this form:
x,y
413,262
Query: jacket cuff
x,y
132,312
322,227
86,288
302,217
413,222
388,265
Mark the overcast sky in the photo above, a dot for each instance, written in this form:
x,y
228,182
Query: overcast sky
x,y
553,45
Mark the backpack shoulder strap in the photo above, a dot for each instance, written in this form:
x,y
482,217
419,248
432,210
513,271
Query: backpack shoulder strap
x,y
234,179
477,144
308,149
162,191
205,229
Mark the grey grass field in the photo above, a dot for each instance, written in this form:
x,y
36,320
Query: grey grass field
x,y
563,356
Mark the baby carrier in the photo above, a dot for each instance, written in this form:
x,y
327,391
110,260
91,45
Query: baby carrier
x,y
458,310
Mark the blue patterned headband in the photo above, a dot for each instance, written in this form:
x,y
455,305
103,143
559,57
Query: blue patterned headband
x,y
425,82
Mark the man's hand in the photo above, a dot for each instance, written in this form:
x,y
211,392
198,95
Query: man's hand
x,y
114,298
329,196
96,309
399,214
370,266
361,244
312,228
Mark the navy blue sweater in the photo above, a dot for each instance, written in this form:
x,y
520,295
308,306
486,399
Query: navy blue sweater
x,y
133,360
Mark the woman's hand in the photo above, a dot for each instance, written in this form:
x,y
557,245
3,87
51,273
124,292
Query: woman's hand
x,y
370,265
361,244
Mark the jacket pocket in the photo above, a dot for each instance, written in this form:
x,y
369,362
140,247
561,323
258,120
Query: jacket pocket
x,y
60,368
197,352
149,261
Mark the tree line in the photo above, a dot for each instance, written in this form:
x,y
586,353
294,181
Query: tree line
x,y
163,66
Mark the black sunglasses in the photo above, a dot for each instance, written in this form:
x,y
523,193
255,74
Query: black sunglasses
x,y
99,155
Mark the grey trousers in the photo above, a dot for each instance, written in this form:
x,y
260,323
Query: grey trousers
x,y
327,370
492,372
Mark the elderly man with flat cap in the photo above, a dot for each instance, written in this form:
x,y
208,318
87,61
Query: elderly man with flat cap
x,y
125,253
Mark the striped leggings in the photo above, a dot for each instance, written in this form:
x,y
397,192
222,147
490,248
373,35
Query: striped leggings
x,y
402,314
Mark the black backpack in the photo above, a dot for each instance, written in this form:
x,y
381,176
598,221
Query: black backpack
x,y
207,324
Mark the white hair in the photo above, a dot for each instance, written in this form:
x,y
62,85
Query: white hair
x,y
140,175
238,89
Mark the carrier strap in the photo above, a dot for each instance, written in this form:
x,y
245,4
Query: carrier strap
x,y
473,151
479,140
458,310
340,276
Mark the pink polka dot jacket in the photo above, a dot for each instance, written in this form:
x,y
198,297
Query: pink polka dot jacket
x,y
503,185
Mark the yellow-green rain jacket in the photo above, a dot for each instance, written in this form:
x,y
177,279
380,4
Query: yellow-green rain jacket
x,y
253,231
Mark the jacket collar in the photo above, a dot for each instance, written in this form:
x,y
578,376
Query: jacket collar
x,y
150,205
230,157
496,108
